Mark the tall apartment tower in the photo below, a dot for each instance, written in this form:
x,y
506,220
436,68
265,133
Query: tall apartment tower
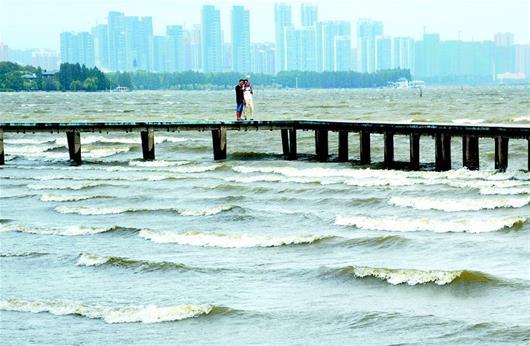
x,y
240,39
367,33
283,19
211,42
77,48
308,14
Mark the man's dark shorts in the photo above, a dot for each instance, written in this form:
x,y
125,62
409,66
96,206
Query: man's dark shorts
x,y
240,107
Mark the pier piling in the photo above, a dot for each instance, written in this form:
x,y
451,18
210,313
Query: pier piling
x,y
292,147
501,153
414,139
148,144
285,143
470,151
321,145
2,157
343,146
364,139
74,146
219,143
443,152
389,150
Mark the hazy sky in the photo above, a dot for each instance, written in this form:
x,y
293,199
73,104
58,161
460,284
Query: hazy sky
x,y
37,23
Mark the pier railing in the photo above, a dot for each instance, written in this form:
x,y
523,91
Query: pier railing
x,y
442,134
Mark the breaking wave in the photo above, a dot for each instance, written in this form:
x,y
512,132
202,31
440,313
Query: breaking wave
x,y
90,260
461,204
23,254
81,186
428,224
48,197
157,163
195,238
414,277
65,231
112,314
121,210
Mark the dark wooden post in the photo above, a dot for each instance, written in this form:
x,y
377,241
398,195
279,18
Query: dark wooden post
x,y
443,152
285,143
414,151
74,146
501,153
2,157
364,138
343,146
389,150
528,154
148,144
219,143
321,145
292,145
470,151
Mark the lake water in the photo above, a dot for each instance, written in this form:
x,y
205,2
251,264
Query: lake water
x,y
255,249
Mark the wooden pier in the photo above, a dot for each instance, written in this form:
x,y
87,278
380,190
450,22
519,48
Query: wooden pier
x,y
443,134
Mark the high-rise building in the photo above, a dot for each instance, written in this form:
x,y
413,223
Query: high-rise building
x,y
212,49
100,33
308,14
328,32
367,33
192,49
116,41
383,53
522,59
300,48
283,19
427,56
161,55
403,52
343,58
45,59
240,39
504,53
138,38
77,48
503,39
4,52
263,55
175,34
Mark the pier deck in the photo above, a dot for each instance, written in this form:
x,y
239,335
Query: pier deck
x,y
442,133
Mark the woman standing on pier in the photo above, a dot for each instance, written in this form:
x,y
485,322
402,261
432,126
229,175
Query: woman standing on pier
x,y
249,103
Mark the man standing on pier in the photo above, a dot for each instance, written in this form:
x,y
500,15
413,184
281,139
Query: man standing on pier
x,y
240,99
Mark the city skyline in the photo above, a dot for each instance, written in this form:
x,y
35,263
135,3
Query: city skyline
x,y
467,23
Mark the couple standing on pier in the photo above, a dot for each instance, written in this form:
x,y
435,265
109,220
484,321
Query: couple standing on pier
x,y
245,104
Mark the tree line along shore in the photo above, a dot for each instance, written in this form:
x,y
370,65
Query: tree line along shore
x,y
75,77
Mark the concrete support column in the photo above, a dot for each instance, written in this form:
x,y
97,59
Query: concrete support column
x,y
2,157
285,143
292,145
364,138
74,146
321,145
443,152
389,150
148,144
414,151
501,153
219,143
528,154
470,152
343,146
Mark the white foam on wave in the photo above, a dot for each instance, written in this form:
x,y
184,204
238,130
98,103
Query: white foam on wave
x,y
109,314
79,186
89,260
195,238
505,191
9,141
457,204
522,119
158,163
104,152
426,224
65,231
82,210
467,121
407,276
48,197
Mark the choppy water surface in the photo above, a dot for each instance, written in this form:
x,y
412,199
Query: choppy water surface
x,y
255,249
